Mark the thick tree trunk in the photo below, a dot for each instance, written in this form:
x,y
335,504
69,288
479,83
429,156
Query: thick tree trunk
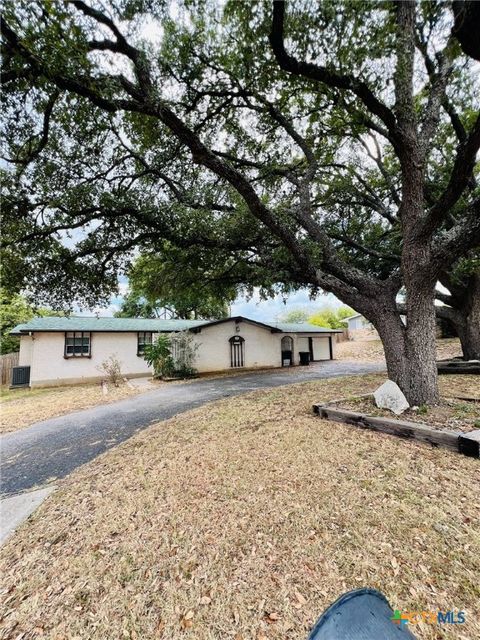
x,y
471,338
469,334
421,384
467,328
420,347
410,351
463,313
467,321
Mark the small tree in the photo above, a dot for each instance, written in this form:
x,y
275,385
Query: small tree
x,y
295,316
172,355
112,367
331,318
16,309
158,356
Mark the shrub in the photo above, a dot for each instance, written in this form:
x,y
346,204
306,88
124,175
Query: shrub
x,y
111,367
172,356
158,356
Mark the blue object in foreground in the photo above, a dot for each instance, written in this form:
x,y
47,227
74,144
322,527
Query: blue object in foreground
x,y
362,614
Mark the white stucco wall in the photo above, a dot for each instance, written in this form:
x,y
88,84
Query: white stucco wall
x,y
302,344
262,348
26,351
321,347
48,365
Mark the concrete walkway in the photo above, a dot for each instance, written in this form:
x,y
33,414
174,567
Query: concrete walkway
x,y
15,509
49,450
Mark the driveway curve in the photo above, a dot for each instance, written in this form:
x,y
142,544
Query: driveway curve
x,y
51,449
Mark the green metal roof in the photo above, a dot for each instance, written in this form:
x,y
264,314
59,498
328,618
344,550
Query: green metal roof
x,y
85,323
302,327
54,323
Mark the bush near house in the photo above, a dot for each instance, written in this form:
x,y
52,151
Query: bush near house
x,y
112,368
172,356
184,351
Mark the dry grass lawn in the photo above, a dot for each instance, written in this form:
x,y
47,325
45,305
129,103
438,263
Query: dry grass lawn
x,y
21,408
372,350
244,519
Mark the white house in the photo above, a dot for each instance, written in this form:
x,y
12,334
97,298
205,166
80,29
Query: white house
x,y
357,322
360,328
70,350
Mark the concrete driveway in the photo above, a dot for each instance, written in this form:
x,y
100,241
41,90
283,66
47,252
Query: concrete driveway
x,y
49,450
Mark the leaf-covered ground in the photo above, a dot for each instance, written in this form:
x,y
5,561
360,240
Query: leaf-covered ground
x,y
21,408
244,519
368,350
450,414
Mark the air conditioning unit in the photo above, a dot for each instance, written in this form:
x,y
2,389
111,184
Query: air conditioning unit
x,y
20,376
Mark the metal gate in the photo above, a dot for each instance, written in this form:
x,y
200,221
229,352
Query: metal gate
x,y
237,351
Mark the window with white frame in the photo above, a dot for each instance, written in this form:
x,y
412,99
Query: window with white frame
x,y
77,344
143,338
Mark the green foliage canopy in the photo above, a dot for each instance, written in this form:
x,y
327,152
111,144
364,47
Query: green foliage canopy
x,y
331,318
15,309
176,280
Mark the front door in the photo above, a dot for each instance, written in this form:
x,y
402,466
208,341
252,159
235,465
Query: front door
x,y
310,349
237,351
287,351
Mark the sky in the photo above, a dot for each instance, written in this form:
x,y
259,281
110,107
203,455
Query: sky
x,y
272,308
255,308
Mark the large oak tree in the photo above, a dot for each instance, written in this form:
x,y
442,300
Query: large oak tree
x,y
231,130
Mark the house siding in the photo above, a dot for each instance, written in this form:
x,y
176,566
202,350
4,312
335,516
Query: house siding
x,y
25,356
261,347
44,352
50,367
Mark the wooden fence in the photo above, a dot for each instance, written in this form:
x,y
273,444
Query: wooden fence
x,y
7,362
342,337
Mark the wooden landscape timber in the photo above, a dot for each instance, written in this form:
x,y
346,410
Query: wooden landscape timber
x,y
466,443
458,366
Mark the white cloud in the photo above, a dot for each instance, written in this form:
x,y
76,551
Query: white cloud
x,y
272,308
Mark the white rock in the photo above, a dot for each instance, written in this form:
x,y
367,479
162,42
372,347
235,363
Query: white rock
x,y
390,396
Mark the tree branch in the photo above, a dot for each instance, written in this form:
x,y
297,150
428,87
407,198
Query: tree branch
x,y
460,176
462,237
42,143
326,75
